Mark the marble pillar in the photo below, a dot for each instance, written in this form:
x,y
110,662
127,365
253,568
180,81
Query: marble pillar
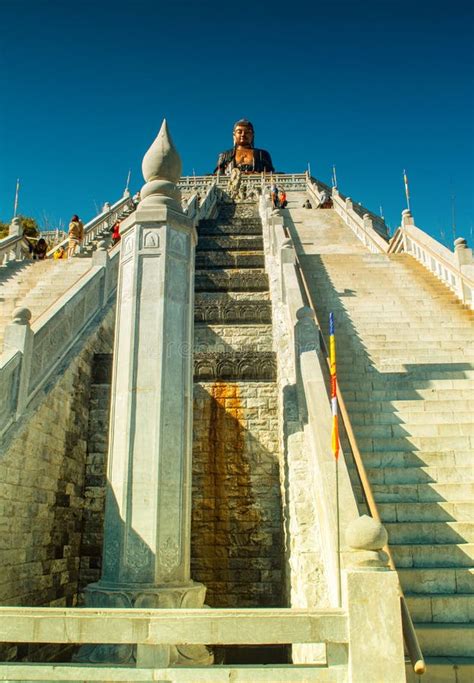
x,y
146,559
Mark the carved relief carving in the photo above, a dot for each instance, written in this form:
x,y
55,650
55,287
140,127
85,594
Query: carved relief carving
x,y
233,311
128,243
255,365
248,280
151,239
169,555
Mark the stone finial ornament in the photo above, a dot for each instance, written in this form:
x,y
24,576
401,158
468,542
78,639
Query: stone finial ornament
x,y
366,538
161,168
21,316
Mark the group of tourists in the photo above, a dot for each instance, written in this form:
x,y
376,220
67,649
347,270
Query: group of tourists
x,y
39,247
279,200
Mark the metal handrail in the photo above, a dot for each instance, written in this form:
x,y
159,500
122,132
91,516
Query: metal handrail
x,y
409,633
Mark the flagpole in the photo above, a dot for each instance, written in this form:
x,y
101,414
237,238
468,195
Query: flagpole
x,y
128,179
17,192
407,192
335,443
334,177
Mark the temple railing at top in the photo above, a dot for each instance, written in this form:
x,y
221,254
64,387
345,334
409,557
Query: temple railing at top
x,y
454,269
287,181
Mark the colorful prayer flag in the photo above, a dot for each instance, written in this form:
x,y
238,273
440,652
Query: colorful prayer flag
x,y
332,370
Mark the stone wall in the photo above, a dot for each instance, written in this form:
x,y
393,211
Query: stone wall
x,y
236,529
223,338
42,476
96,473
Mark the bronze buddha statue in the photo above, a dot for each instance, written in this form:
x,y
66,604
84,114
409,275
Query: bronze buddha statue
x,y
244,155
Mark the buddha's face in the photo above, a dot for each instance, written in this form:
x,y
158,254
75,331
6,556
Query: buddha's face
x,y
243,136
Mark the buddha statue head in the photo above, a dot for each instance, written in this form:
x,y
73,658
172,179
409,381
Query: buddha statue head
x,y
243,133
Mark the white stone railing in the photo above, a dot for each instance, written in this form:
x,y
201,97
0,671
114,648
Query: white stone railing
x,y
101,224
363,227
13,247
349,636
198,207
454,269
32,353
310,370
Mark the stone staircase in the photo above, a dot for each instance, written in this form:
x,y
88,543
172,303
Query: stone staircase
x,y
236,533
36,285
405,367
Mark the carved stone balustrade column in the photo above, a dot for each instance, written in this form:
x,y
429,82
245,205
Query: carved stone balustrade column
x,y
146,560
372,599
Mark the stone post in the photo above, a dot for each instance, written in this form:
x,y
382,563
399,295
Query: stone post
x,y
15,229
19,335
146,559
372,599
465,262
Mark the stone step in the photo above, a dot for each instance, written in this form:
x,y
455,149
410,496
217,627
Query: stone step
x,y
442,555
215,229
409,418
437,580
421,475
229,259
231,280
425,320
396,383
235,366
441,608
400,533
443,393
444,670
410,407
355,348
441,511
410,443
231,243
388,334
414,429
446,639
394,363
374,304
408,460
423,493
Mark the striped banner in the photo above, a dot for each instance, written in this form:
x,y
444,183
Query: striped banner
x,y
332,363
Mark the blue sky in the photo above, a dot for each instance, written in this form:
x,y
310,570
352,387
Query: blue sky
x,y
373,87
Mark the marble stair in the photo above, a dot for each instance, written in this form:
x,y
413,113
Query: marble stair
x,y
405,363
36,285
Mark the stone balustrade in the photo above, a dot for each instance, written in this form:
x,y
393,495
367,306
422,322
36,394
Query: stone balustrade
x,y
101,224
52,335
13,247
454,269
314,458
362,226
361,641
